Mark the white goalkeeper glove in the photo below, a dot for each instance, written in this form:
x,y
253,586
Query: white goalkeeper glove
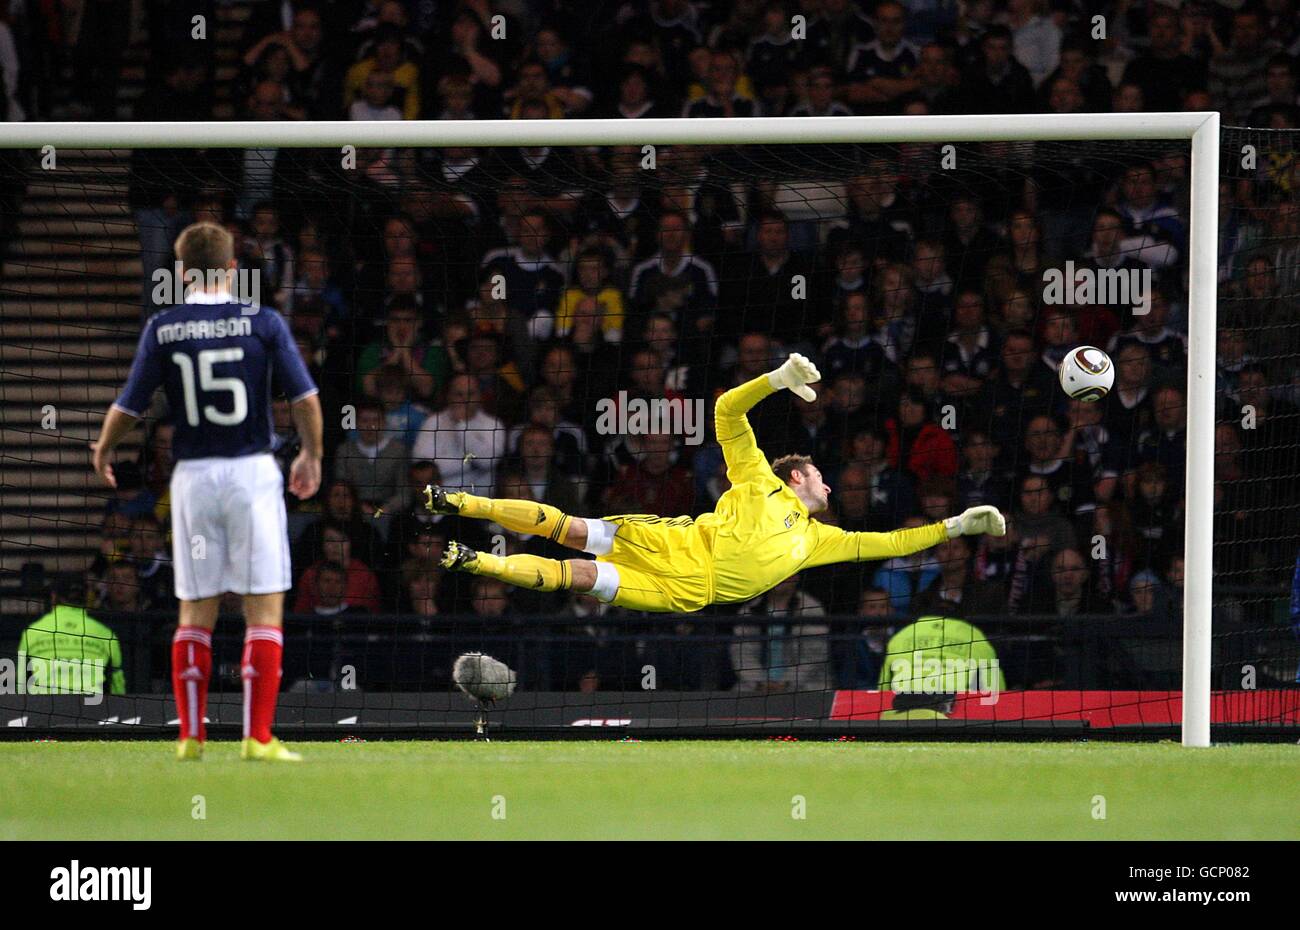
x,y
796,374
975,520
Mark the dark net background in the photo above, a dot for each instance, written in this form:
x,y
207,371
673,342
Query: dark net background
x,y
913,275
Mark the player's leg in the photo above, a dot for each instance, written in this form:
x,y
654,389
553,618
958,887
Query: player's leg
x,y
260,670
198,543
257,567
518,516
522,570
191,672
621,585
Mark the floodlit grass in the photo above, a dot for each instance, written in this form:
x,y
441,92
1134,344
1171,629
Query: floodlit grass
x,y
654,790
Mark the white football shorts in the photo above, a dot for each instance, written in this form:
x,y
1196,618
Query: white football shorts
x,y
229,530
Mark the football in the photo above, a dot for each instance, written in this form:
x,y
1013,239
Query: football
x,y
1086,374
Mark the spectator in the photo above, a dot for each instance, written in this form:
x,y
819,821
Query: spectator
x,y
956,592
388,57
674,280
539,469
792,653
853,348
362,588
152,560
156,195
820,99
462,439
655,482
533,280
424,366
375,100
906,576
860,656
722,96
1237,79
1158,228
1128,412
122,590
982,480
421,590
373,460
1068,592
999,82
402,416
1038,520
565,71
765,296
1165,442
1168,347
918,444
1165,72
1035,37
879,72
593,295
331,591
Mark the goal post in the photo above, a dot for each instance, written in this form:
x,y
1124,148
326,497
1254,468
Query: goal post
x,y
1201,129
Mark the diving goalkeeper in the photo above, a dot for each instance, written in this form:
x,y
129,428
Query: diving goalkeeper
x,y
760,532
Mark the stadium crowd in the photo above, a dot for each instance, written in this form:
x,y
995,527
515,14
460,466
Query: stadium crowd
x,y
465,311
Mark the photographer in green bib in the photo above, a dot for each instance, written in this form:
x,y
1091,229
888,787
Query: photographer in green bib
x,y
67,651
929,662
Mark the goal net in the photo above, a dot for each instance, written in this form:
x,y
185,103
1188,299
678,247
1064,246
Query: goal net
x,y
548,312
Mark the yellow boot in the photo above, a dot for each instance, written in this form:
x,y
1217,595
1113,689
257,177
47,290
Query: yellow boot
x,y
250,750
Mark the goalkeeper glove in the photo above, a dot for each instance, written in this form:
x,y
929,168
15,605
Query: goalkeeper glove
x,y
796,374
974,520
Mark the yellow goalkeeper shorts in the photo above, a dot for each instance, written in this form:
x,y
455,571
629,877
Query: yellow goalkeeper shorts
x,y
663,564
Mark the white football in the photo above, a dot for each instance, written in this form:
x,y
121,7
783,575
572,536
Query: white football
x,y
1086,374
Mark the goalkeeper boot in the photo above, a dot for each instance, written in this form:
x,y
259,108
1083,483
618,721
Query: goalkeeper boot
x,y
459,558
250,750
435,500
189,750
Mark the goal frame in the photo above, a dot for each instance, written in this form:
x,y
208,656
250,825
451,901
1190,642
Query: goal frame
x,y
1201,128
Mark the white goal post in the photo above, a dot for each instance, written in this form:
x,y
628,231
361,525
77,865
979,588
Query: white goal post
x,y
1201,128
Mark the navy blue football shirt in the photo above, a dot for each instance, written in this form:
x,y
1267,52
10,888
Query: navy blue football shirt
x,y
216,363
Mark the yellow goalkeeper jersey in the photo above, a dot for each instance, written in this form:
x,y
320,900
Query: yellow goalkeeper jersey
x,y
759,533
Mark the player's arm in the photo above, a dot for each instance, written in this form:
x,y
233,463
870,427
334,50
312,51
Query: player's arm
x,y
117,424
304,406
304,473
836,545
129,408
745,461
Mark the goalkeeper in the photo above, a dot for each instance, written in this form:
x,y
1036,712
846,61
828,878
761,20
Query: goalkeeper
x,y
760,532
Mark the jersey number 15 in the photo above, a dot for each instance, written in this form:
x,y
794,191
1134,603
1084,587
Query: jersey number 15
x,y
210,384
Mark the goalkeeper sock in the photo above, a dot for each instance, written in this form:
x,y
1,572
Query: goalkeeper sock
x,y
260,670
525,571
515,515
191,669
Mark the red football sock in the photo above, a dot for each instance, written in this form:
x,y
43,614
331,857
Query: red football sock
x,y
260,669
191,669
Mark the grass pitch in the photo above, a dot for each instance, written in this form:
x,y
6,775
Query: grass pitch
x,y
653,790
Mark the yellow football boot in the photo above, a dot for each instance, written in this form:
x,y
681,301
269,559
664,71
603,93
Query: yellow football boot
x,y
250,750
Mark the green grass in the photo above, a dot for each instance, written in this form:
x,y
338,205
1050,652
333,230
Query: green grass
x,y
657,790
